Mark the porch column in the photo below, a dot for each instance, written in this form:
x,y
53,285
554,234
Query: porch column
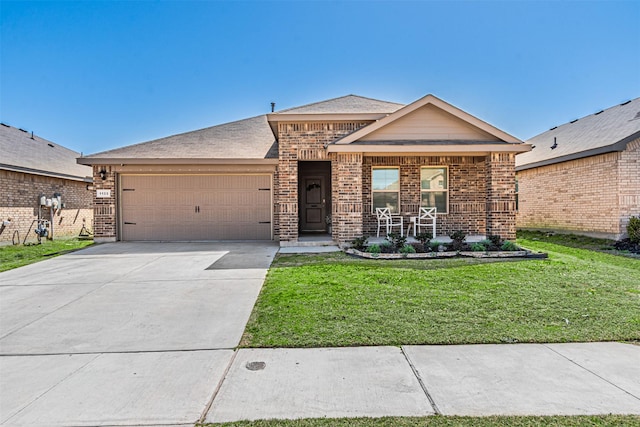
x,y
501,195
347,200
287,197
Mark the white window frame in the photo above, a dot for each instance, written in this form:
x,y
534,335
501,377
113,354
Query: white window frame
x,y
373,168
446,189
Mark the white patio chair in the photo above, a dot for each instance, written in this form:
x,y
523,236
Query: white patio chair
x,y
427,219
388,220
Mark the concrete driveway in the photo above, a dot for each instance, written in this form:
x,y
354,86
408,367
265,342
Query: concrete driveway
x,y
124,333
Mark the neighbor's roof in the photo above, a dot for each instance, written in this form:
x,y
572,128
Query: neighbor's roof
x,y
349,104
244,139
603,132
22,152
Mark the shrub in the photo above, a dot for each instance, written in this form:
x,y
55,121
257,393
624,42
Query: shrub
x,y
419,247
373,249
386,248
424,237
396,240
457,243
359,243
407,249
633,229
509,246
434,246
495,240
478,247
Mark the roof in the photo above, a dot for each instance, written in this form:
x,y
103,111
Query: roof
x,y
603,132
243,139
349,104
24,152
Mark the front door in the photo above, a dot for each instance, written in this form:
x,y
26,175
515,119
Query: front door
x,y
313,204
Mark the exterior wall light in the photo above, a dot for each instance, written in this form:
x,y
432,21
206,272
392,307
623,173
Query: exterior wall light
x,y
103,174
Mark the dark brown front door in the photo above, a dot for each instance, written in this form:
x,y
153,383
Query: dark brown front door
x,y
313,204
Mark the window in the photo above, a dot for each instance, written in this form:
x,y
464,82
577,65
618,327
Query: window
x,y
385,188
434,185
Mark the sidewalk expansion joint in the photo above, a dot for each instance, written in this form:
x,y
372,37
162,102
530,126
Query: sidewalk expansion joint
x,y
217,389
79,353
593,373
432,402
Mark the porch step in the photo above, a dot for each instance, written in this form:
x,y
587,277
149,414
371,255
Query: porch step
x,y
309,243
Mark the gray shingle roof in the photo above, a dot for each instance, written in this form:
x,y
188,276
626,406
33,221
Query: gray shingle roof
x,y
353,104
244,139
21,152
605,131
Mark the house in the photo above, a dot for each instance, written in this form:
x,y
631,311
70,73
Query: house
x,y
583,177
310,169
40,179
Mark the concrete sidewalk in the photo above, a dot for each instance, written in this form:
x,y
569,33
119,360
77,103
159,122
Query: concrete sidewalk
x,y
475,380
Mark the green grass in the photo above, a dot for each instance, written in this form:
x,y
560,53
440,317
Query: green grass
x,y
19,255
329,300
441,421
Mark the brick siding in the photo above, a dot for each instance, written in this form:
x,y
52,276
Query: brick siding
x,y
105,208
595,195
19,200
467,191
303,142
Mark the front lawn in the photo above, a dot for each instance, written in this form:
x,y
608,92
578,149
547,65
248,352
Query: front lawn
x,y
334,300
19,255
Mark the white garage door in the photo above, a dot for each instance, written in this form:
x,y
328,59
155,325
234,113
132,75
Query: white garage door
x,y
195,207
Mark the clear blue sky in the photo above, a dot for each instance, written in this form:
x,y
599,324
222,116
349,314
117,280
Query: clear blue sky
x,y
99,75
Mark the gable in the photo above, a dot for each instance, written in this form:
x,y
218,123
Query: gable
x,y
429,123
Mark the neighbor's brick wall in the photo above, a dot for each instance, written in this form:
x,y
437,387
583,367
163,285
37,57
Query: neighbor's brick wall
x,y
575,196
303,142
467,191
19,200
629,184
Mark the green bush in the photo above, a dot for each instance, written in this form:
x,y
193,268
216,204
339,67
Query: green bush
x,y
424,237
478,247
434,246
374,249
407,249
633,229
396,240
359,243
509,246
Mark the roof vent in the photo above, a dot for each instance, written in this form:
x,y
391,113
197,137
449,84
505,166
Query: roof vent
x,y
273,106
5,125
555,144
595,114
555,127
626,102
573,121
50,145
22,130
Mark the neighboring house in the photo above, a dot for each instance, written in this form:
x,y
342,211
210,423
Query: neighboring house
x,y
32,167
584,176
320,167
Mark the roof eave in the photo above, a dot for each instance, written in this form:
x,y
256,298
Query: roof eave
x,y
46,173
616,147
173,161
436,149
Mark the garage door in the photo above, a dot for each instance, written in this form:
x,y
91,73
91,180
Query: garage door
x,y
195,207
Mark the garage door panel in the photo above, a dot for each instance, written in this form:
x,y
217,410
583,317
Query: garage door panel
x,y
196,207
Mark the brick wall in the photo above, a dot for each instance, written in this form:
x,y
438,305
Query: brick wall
x,y
629,184
19,200
304,142
501,201
467,191
104,208
579,195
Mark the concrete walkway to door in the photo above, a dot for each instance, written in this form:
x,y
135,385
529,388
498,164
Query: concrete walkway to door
x,y
83,333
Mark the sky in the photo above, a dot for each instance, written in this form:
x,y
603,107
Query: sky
x,y
93,75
